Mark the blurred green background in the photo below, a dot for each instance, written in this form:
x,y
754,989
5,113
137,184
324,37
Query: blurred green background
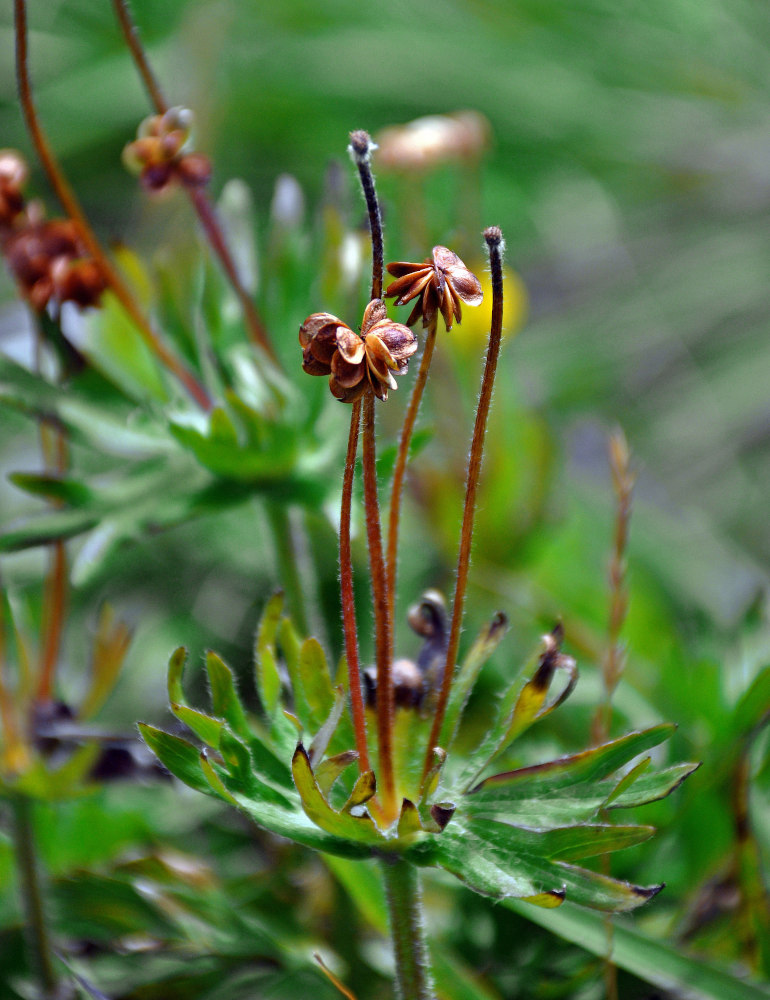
x,y
629,167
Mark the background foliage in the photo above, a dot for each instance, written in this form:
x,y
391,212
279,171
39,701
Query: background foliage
x,y
627,170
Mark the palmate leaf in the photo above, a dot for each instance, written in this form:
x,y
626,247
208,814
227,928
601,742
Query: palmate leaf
x,y
517,833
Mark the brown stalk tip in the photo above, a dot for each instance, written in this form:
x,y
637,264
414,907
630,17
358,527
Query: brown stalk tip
x,y
494,237
361,146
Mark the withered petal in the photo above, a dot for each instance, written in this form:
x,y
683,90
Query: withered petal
x,y
314,324
447,304
312,365
465,284
377,351
399,339
444,258
323,346
407,287
350,395
350,345
374,313
400,267
346,374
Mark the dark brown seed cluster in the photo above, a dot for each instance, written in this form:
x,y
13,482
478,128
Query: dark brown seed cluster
x,y
357,362
439,284
45,256
161,156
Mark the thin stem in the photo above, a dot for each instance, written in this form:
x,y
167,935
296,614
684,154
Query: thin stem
x,y
286,556
199,199
53,443
73,209
494,240
29,876
54,606
382,620
361,149
131,35
614,659
407,930
346,592
402,457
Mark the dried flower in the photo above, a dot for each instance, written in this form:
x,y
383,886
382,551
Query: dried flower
x,y
354,361
438,283
48,260
428,142
160,154
13,175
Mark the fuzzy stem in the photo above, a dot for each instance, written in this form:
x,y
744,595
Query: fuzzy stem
x,y
494,240
346,593
286,557
72,207
361,148
382,621
407,930
399,470
29,877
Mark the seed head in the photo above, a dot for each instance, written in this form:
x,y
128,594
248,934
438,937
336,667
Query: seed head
x,y
439,283
355,361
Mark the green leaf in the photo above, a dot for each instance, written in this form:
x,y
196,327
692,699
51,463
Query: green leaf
x,y
462,685
55,488
539,781
342,824
180,757
266,669
664,966
652,786
224,697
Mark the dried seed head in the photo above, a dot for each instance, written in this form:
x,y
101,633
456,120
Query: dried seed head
x,y
439,283
357,362
13,177
161,154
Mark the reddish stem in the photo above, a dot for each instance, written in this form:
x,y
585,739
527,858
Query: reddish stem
x,y
494,239
198,197
72,207
399,470
346,590
382,620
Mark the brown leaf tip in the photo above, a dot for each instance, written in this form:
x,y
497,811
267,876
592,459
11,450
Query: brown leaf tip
x,y
649,891
442,812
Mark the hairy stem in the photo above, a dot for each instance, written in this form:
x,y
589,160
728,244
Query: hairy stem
x,y
361,148
494,240
29,877
407,930
346,592
72,207
382,620
402,457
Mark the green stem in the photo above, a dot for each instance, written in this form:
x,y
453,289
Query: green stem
x,y
407,930
286,557
29,875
